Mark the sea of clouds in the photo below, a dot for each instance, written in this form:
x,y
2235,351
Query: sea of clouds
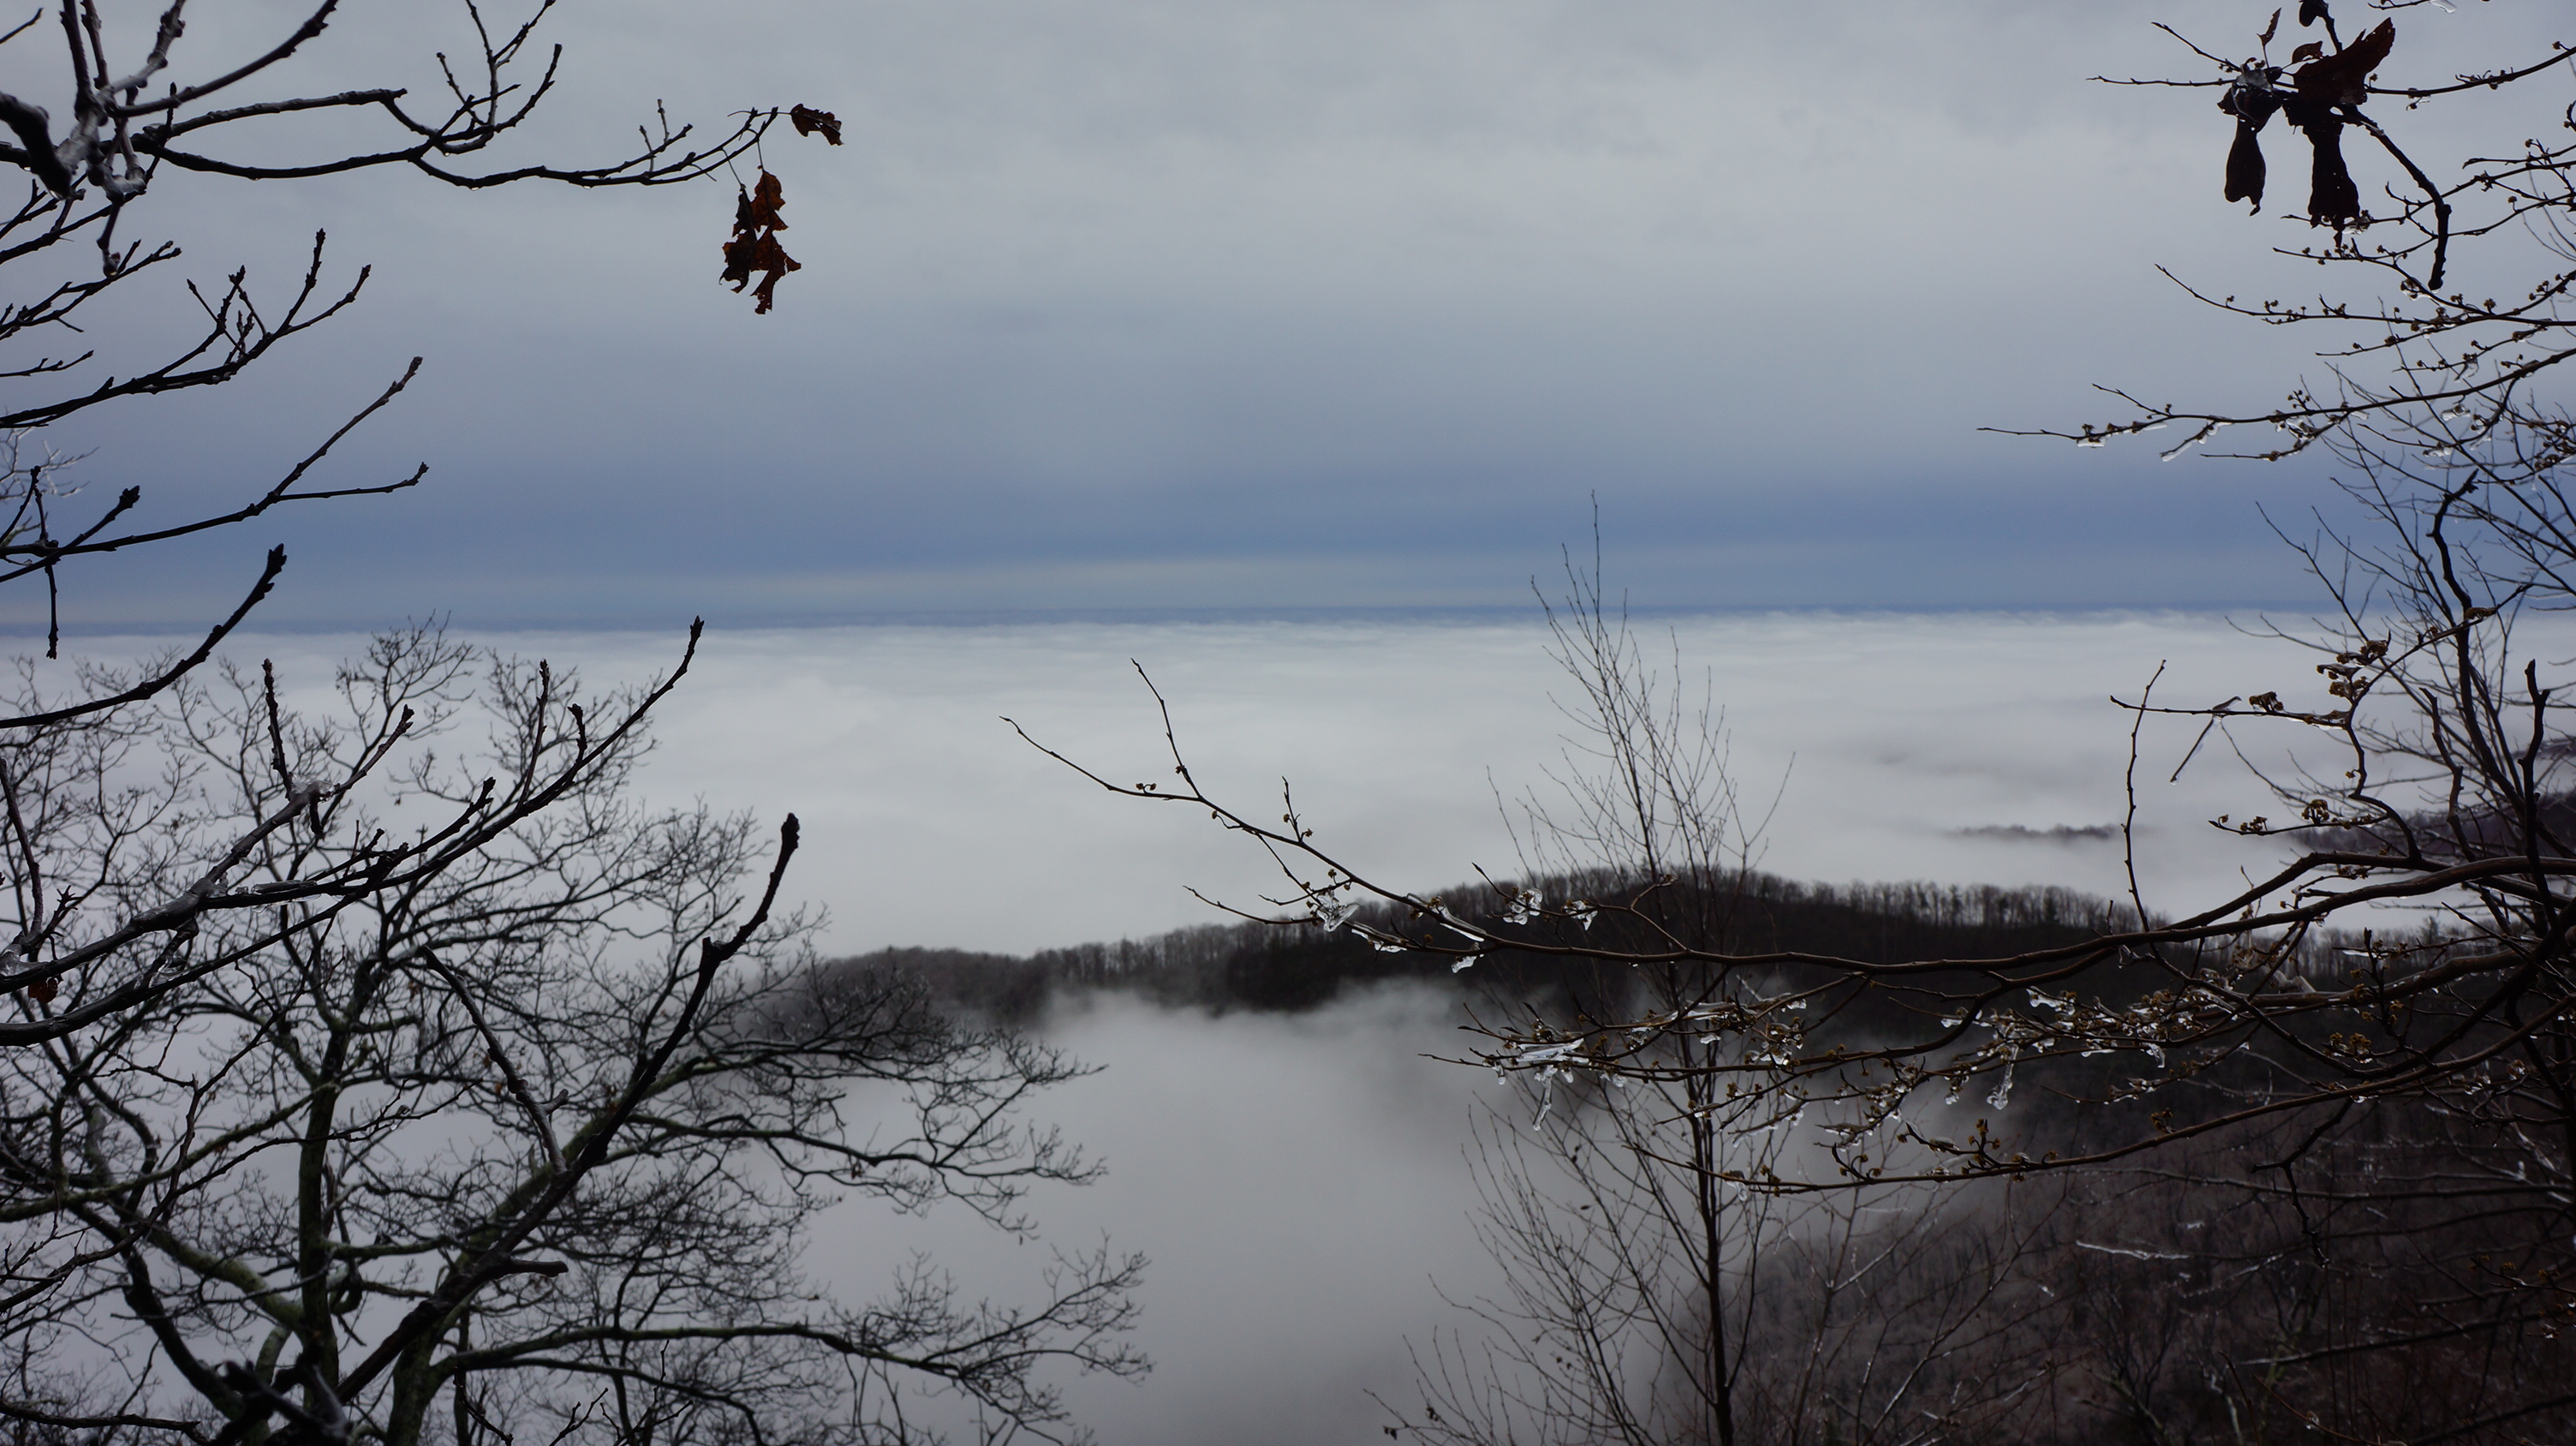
x,y
1962,748
1300,1182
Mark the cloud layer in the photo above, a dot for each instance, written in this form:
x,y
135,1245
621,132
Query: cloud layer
x,y
1149,305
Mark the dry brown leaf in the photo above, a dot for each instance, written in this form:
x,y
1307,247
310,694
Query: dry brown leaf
x,y
765,199
2333,199
809,120
754,247
2245,167
2343,78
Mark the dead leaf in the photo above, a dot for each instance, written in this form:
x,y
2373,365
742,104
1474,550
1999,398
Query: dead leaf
x,y
2332,197
44,990
2309,51
2252,99
2325,85
2343,78
754,247
763,203
2245,167
809,120
2333,200
2271,29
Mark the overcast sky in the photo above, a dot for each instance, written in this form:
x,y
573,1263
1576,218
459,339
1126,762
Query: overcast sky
x,y
1187,304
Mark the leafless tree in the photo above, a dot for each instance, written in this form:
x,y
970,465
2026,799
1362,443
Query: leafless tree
x,y
1636,1281
101,98
130,108
1647,1296
1895,1315
357,1088
520,1147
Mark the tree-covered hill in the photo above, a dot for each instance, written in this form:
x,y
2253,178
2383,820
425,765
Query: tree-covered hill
x,y
1299,966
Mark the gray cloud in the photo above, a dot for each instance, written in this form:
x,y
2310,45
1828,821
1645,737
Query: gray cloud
x,y
1157,305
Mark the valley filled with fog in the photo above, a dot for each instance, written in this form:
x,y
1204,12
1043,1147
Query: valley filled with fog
x,y
1300,1181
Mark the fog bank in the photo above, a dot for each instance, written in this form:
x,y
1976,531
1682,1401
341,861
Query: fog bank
x,y
1298,1183
1957,748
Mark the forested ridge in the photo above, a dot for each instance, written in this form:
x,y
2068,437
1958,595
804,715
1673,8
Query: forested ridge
x,y
1300,965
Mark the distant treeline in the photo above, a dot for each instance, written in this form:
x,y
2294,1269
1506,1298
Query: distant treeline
x,y
1300,966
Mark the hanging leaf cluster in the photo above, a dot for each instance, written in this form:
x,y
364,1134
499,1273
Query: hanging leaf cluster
x,y
2320,98
753,249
